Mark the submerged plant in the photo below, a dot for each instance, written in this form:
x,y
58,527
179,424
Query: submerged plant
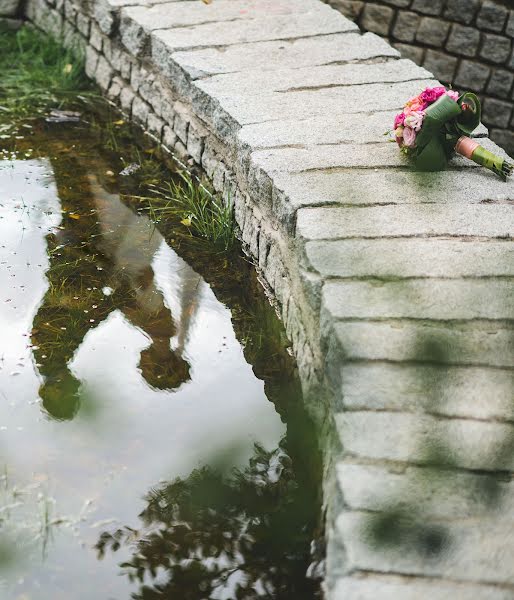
x,y
203,213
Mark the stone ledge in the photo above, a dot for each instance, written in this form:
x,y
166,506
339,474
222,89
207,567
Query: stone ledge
x,y
286,115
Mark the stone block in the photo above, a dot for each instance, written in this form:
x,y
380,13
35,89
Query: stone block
x,y
465,552
91,62
95,37
155,125
391,587
350,8
319,22
72,39
258,82
9,8
509,29
472,76
112,53
406,26
115,88
195,145
435,493
476,392
505,139
126,99
415,341
169,137
83,23
104,73
495,48
291,54
500,83
496,112
463,11
411,52
344,100
377,18
441,65
484,220
492,16
412,438
70,11
463,41
399,3
432,32
420,299
428,7
405,258
140,111
125,66
180,126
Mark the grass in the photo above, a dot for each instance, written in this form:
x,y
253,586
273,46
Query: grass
x,y
205,215
38,74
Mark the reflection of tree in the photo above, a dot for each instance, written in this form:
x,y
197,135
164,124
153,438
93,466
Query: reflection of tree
x,y
209,536
101,244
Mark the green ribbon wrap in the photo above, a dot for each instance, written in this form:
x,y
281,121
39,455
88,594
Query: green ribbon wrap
x,y
445,122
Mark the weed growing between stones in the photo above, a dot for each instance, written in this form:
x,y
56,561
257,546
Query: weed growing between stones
x,y
202,213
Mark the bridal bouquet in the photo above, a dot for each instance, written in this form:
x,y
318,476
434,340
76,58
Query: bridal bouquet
x,y
436,124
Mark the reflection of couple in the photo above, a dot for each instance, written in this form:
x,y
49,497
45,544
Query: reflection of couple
x,y
101,261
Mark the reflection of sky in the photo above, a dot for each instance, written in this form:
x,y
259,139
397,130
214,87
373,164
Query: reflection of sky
x,y
138,436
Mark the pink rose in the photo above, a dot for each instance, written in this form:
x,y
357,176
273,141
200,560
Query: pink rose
x,y
409,137
453,94
430,95
399,120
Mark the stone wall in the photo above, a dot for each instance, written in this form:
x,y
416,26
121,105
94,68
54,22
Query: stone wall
x,y
466,43
395,287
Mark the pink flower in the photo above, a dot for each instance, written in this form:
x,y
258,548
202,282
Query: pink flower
x,y
399,120
453,94
415,120
409,137
430,95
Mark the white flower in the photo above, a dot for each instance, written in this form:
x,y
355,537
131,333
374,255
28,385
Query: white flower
x,y
415,120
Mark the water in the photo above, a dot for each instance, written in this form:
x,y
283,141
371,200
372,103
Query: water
x,y
136,364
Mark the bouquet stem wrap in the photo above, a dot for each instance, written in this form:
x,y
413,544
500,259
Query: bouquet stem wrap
x,y
478,154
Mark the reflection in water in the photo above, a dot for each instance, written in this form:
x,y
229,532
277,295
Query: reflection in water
x,y
101,257
148,378
221,537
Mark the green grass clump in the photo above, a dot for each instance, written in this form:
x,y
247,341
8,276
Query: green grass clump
x,y
205,215
37,74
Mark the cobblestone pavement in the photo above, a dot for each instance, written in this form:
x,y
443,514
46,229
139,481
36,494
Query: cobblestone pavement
x,y
395,287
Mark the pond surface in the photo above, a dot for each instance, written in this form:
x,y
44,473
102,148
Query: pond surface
x,y
152,438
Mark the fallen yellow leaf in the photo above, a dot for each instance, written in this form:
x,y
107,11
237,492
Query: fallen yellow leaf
x,y
74,216
186,222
